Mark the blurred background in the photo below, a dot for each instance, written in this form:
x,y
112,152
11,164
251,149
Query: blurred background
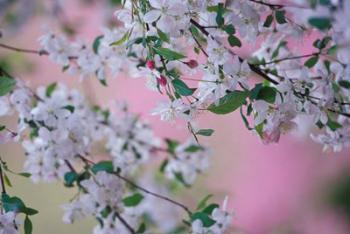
x,y
290,187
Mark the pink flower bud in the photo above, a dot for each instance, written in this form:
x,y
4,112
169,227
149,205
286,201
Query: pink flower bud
x,y
162,80
192,63
150,64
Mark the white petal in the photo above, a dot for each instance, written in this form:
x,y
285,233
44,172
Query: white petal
x,y
151,16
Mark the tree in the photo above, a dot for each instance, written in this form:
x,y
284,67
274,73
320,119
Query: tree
x,y
169,43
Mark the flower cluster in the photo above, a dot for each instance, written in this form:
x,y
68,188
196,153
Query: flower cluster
x,y
155,38
58,129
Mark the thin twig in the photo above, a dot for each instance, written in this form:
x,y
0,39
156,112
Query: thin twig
x,y
142,189
125,223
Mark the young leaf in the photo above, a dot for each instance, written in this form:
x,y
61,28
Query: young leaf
x,y
203,202
204,218
268,21
265,93
69,178
311,62
172,144
234,41
169,54
280,17
133,200
322,23
7,180
50,89
106,166
28,226
6,85
124,38
182,88
96,44
141,229
209,209
205,132
344,84
163,36
229,103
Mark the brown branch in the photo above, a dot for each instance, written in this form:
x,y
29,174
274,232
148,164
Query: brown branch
x,y
3,188
125,223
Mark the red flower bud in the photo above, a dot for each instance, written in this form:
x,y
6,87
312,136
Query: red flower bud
x,y
162,80
150,64
192,63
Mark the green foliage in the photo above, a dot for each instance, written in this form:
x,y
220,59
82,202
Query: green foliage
x,y
70,178
321,23
133,200
205,132
15,204
50,89
311,62
268,21
266,93
28,226
106,166
281,17
96,44
344,84
169,54
171,145
229,102
234,41
182,88
6,85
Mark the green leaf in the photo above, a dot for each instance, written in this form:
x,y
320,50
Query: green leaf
x,y
14,204
133,200
182,88
169,54
163,165
7,180
204,201
70,108
50,89
230,29
171,145
322,23
332,50
106,166
265,93
234,41
268,21
311,62
163,36
193,148
28,226
142,228
124,38
6,85
229,103
280,17
30,211
96,43
25,174
179,177
69,178
2,127
220,20
204,218
344,84
333,125
209,209
205,132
